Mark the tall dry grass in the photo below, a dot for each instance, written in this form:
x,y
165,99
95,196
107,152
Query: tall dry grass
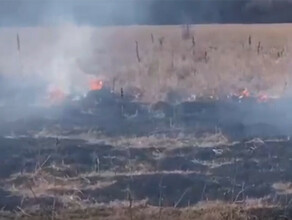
x,y
211,59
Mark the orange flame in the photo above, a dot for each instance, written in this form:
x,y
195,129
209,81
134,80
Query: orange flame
x,y
244,93
96,84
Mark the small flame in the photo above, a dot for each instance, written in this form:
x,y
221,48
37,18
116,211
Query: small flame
x,y
263,98
244,93
96,84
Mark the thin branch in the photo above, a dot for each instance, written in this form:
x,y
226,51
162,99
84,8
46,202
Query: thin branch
x,y
23,212
180,199
30,188
43,164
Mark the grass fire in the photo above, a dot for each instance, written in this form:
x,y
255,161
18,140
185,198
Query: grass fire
x,y
96,84
146,122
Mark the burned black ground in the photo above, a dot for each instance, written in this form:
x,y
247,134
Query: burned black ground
x,y
175,155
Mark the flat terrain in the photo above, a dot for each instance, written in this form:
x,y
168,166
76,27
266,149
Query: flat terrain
x,y
207,59
107,156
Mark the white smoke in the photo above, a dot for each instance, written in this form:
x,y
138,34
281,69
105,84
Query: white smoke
x,y
62,69
50,59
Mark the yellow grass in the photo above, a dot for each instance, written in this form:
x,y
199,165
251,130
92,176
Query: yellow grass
x,y
70,52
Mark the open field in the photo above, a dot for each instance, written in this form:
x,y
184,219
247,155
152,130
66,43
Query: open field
x,y
110,156
211,60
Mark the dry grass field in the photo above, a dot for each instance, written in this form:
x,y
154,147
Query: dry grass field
x,y
104,156
203,212
208,60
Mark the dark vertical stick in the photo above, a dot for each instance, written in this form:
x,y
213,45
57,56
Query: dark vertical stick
x,y
18,52
280,54
249,40
259,47
122,96
114,84
137,52
206,56
172,59
122,93
161,41
285,86
193,44
18,42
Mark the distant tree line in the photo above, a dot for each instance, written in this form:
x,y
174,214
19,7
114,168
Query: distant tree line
x,y
129,12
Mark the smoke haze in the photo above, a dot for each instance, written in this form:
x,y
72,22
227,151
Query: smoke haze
x,y
60,54
129,12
